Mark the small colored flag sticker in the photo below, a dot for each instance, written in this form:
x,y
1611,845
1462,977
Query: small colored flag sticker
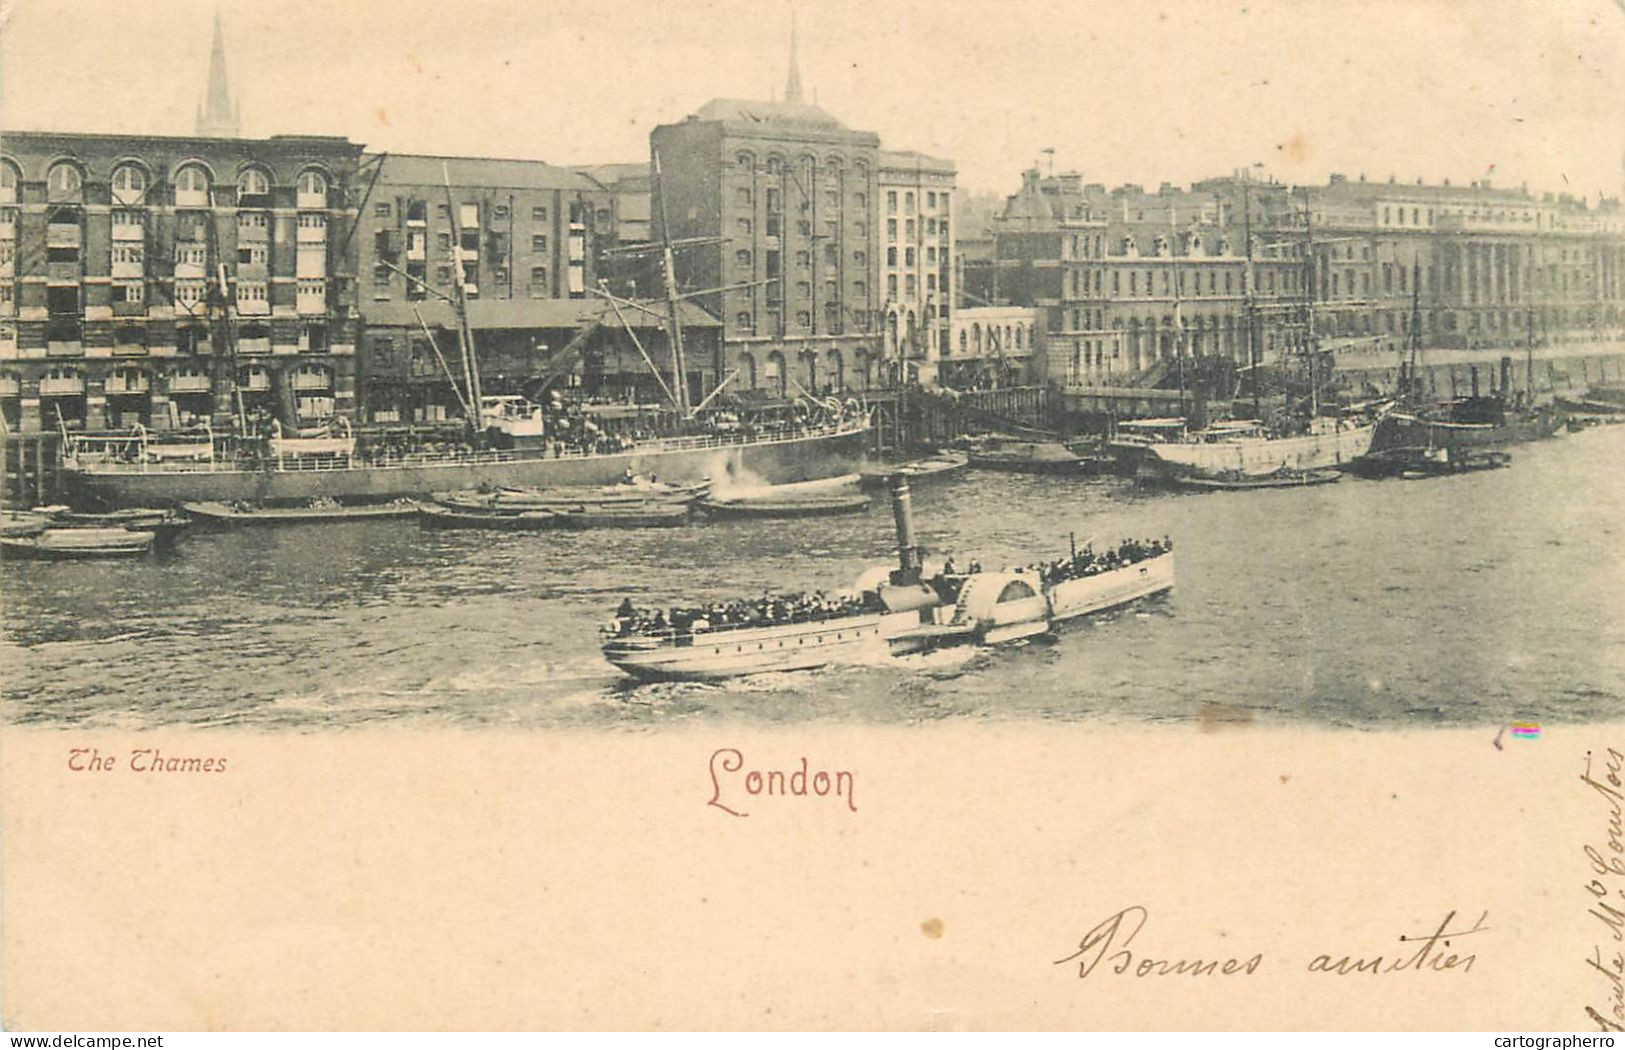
x,y
1526,730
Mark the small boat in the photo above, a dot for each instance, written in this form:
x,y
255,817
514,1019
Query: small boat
x,y
23,522
322,511
644,517
876,475
1413,463
803,507
162,523
1031,457
60,544
1280,479
440,517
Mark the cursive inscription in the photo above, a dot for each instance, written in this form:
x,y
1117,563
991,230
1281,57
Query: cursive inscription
x,y
1111,944
1605,888
1429,956
1119,931
733,787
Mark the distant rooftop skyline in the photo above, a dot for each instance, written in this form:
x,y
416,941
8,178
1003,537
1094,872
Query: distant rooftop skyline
x,y
1522,91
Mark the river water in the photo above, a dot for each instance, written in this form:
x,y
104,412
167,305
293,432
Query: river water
x,y
1481,598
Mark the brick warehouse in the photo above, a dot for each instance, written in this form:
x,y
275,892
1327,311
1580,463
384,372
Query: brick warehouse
x,y
166,280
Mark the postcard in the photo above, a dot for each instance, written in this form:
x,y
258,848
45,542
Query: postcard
x,y
812,516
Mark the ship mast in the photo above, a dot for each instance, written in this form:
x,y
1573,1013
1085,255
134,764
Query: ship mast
x,y
1412,384
465,338
1309,327
1249,307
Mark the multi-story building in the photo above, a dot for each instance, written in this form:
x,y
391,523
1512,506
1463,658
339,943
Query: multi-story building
x,y
1125,279
1497,267
529,239
1129,279
785,194
167,280
921,288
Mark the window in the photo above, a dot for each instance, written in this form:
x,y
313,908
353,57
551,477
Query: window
x,y
930,200
129,184
909,229
832,198
307,221
891,229
253,183
891,202
908,202
742,257
381,209
128,292
803,260
191,185
804,289
64,182
804,318
8,183
744,321
773,264
931,255
891,286
860,258
744,227
930,282
499,211
538,214
908,256
538,242
860,200
911,287
891,256
312,190
742,195
860,289
252,255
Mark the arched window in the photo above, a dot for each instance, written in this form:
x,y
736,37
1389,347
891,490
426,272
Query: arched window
x,y
976,338
837,370
65,182
746,161
253,183
860,170
129,184
9,179
747,372
312,190
192,186
775,165
1018,338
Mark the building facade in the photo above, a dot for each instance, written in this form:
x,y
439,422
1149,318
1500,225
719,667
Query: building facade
x,y
921,288
531,244
784,194
992,346
1130,279
170,280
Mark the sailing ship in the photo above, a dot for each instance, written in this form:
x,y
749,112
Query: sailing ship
x,y
1464,423
810,439
889,612
1250,447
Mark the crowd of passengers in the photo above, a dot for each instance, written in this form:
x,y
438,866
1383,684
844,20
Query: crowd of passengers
x,y
1087,562
769,610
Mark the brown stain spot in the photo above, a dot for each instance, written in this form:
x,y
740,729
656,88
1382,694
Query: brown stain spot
x,y
1285,777
1296,148
932,928
383,116
1212,717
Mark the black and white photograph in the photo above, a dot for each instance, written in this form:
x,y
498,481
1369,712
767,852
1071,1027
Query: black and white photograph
x,y
777,415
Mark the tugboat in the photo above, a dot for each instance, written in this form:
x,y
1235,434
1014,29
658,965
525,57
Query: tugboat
x,y
888,612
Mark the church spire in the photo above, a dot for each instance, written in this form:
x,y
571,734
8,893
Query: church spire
x,y
792,86
218,118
